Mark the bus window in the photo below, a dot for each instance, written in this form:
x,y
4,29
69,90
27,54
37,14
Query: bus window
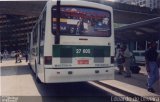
x,y
29,42
159,45
80,21
134,46
40,29
35,36
143,54
141,45
136,53
148,44
43,26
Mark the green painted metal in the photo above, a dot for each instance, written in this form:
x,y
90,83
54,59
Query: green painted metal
x,y
80,51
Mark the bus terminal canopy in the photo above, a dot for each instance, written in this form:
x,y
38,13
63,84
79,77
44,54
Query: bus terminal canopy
x,y
139,31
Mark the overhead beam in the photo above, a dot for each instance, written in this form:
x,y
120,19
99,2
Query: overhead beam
x,y
34,8
28,8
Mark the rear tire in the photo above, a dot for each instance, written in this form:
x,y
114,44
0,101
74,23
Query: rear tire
x,y
30,67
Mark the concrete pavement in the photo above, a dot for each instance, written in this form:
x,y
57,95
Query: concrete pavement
x,y
136,85
10,62
16,79
19,80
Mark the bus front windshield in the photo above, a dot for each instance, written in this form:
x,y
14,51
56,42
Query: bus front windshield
x,y
80,21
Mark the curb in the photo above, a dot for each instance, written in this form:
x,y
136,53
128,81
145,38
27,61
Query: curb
x,y
129,94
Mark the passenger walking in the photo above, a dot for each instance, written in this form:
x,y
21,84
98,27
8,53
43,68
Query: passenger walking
x,y
26,56
127,63
151,57
80,27
20,56
1,55
119,59
158,61
16,56
5,54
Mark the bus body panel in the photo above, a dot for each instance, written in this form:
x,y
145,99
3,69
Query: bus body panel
x,y
76,75
32,56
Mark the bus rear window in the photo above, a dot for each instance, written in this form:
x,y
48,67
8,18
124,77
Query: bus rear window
x,y
82,21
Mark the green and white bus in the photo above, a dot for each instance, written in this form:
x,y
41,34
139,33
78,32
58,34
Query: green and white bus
x,y
73,41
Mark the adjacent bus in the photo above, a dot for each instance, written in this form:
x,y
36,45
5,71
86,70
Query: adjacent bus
x,y
139,50
73,41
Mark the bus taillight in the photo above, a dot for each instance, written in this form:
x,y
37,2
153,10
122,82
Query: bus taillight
x,y
48,60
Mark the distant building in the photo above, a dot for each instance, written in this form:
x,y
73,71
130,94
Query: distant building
x,y
143,3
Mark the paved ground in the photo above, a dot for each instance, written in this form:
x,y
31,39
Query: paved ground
x,y
19,80
135,85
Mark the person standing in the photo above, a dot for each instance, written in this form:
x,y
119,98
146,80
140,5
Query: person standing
x,y
26,56
80,27
6,54
20,56
16,56
151,57
158,62
1,55
119,59
127,63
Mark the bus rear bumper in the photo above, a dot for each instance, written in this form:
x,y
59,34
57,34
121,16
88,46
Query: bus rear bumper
x,y
78,75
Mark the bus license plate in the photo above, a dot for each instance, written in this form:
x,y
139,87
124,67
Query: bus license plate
x,y
83,61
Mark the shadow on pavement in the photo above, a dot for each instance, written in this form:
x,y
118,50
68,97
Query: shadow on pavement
x,y
15,70
70,92
139,80
63,99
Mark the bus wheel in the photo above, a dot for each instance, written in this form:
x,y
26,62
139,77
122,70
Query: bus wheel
x,y
30,67
36,73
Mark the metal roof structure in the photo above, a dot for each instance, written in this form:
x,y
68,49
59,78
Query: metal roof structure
x,y
121,11
14,30
143,30
124,13
17,19
25,8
